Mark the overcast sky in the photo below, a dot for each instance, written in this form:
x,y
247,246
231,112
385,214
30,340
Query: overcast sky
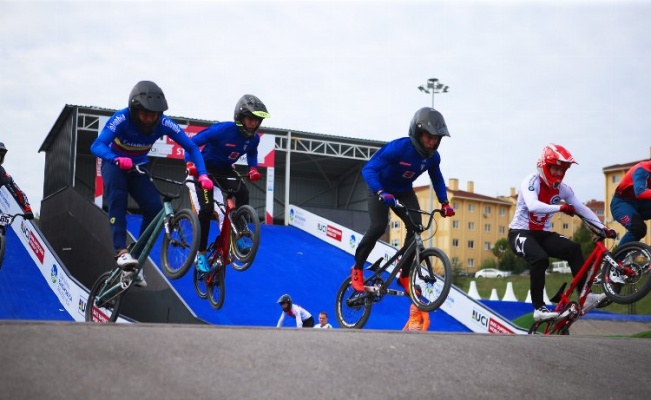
x,y
522,74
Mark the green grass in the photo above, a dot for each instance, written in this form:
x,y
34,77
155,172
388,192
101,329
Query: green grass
x,y
552,283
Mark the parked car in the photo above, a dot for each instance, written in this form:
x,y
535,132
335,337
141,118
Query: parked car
x,y
561,267
491,273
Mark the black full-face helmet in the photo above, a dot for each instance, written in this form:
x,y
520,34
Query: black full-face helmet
x,y
250,106
146,95
3,151
426,120
285,302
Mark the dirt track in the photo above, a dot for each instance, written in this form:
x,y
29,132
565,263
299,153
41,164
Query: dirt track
x,y
591,327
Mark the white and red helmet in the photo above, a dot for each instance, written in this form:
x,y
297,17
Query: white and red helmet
x,y
554,154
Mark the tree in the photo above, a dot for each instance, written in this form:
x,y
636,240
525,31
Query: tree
x,y
506,259
584,236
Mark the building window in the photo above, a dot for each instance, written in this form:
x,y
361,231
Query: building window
x,y
487,246
455,205
487,227
455,242
487,210
455,224
471,244
471,226
502,229
471,208
395,224
471,262
455,260
502,211
566,226
395,243
615,178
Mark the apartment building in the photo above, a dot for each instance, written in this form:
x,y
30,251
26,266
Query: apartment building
x,y
480,221
469,236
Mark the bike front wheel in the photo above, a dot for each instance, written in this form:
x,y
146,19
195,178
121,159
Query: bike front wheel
x,y
631,283
180,246
104,300
352,308
216,286
434,277
245,237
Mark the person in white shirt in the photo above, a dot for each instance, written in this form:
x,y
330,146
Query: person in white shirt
x,y
530,235
303,318
323,322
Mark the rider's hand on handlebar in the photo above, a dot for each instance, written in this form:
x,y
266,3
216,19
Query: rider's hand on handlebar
x,y
448,211
124,163
254,175
206,182
191,169
28,215
568,209
610,233
388,199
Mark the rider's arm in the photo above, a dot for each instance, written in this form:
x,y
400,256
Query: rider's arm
x,y
15,191
570,198
191,149
100,147
438,182
529,189
252,152
280,320
640,183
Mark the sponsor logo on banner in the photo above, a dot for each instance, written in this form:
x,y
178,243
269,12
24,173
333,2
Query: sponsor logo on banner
x,y
81,308
34,243
352,241
334,233
489,323
61,284
296,217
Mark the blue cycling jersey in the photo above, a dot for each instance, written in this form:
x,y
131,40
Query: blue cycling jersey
x,y
223,146
121,138
395,167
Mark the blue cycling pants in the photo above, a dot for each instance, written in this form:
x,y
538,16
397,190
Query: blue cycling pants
x,y
118,185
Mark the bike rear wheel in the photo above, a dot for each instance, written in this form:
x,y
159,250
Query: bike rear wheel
x,y
216,286
106,310
352,308
180,246
245,237
627,288
434,276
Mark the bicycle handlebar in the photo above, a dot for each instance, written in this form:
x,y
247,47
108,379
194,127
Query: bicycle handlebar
x,y
420,227
8,219
142,171
594,228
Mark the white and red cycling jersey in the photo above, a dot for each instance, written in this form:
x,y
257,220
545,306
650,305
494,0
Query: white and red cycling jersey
x,y
537,202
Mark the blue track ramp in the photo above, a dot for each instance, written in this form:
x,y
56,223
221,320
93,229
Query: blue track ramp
x,y
294,262
24,292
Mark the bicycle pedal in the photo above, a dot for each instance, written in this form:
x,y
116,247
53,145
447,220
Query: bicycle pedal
x,y
396,292
372,289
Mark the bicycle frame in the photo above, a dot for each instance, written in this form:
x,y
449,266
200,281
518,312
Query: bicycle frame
x,y
140,250
117,281
409,248
569,311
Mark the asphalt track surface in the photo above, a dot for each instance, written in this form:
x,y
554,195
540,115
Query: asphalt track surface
x,y
68,360
49,359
